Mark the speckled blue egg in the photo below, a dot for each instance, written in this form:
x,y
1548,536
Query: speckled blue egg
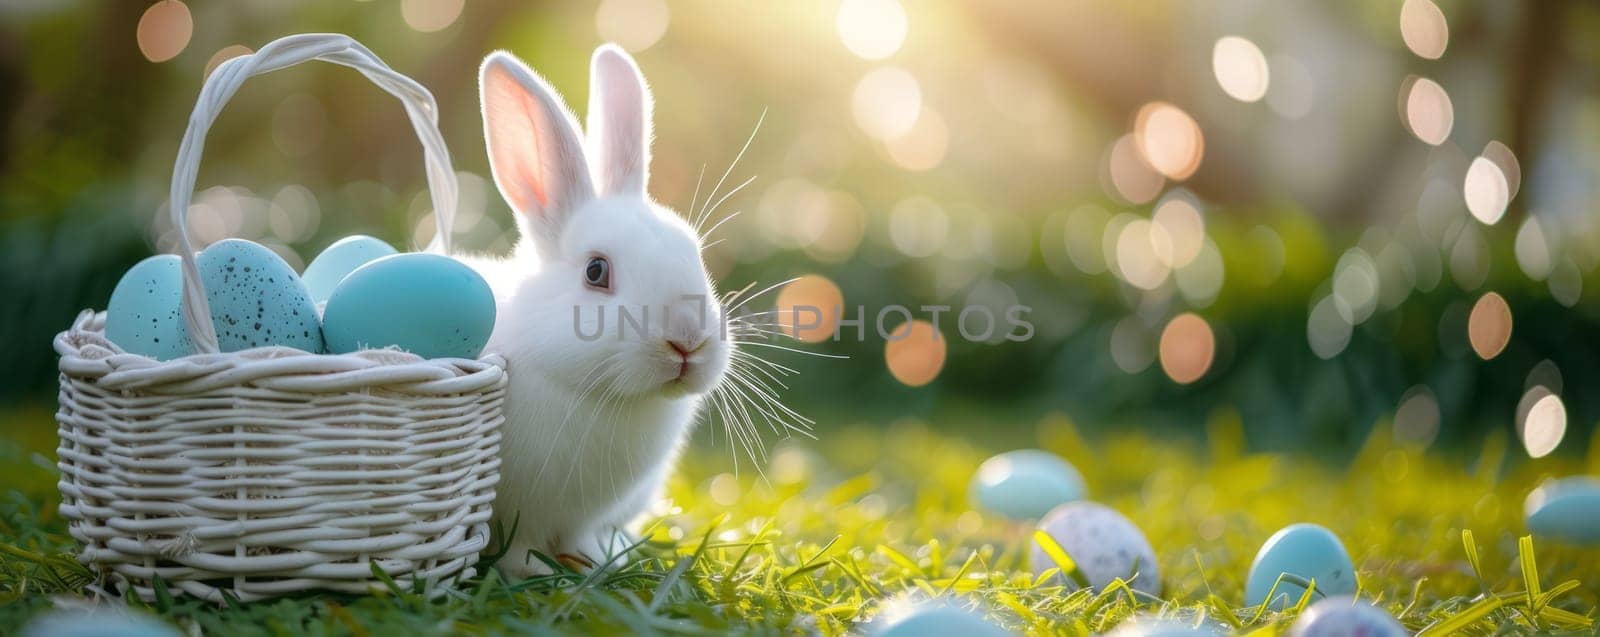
x,y
1025,484
1344,616
430,305
256,298
145,315
98,623
1566,509
1307,551
339,260
1151,626
938,620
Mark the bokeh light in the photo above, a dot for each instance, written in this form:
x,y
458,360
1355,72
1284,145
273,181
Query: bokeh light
x,y
915,353
1187,348
224,54
1416,421
634,25
871,29
886,103
1131,176
1424,29
1140,246
1132,345
1180,219
1533,249
428,16
1085,229
1510,168
1486,190
1426,110
1489,325
164,30
1241,69
1355,286
1566,283
1328,329
1541,421
1201,279
1169,139
809,307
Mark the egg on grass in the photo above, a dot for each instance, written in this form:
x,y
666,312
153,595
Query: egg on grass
x,y
339,260
1097,542
934,619
97,622
427,304
1565,509
1152,626
1025,484
1299,552
1345,616
256,298
145,315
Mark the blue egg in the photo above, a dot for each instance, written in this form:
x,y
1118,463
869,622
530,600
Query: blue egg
x,y
145,315
339,260
430,305
1566,509
1151,626
256,299
939,621
1025,484
1344,616
98,623
1306,551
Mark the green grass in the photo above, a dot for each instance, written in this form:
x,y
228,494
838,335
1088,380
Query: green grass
x,y
842,529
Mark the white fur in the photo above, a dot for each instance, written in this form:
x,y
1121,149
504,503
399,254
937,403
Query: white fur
x,y
593,427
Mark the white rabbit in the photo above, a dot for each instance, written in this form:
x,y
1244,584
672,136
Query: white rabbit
x,y
593,425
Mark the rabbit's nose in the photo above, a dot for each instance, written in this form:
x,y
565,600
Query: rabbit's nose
x,y
685,347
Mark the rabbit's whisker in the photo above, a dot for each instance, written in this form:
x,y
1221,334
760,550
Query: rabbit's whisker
x,y
712,209
791,349
763,291
718,224
699,216
695,199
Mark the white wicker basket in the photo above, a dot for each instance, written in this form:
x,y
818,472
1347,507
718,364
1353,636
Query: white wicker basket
x,y
272,470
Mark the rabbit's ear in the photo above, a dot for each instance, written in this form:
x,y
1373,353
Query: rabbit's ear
x,y
619,122
535,150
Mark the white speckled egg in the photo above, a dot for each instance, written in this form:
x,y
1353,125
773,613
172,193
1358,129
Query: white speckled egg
x,y
1566,509
1025,484
339,260
1307,551
430,305
1344,616
938,620
1151,626
1103,543
256,298
145,315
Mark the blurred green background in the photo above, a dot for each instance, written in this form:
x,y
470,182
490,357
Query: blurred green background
x,y
1348,204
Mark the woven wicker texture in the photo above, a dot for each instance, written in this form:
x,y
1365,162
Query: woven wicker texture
x,y
273,470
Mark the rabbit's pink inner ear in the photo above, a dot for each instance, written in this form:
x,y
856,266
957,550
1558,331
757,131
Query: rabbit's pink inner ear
x,y
534,147
619,122
513,139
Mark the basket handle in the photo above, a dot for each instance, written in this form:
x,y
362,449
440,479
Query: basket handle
x,y
284,52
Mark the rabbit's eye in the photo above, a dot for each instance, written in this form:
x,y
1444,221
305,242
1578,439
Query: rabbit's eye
x,y
598,273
